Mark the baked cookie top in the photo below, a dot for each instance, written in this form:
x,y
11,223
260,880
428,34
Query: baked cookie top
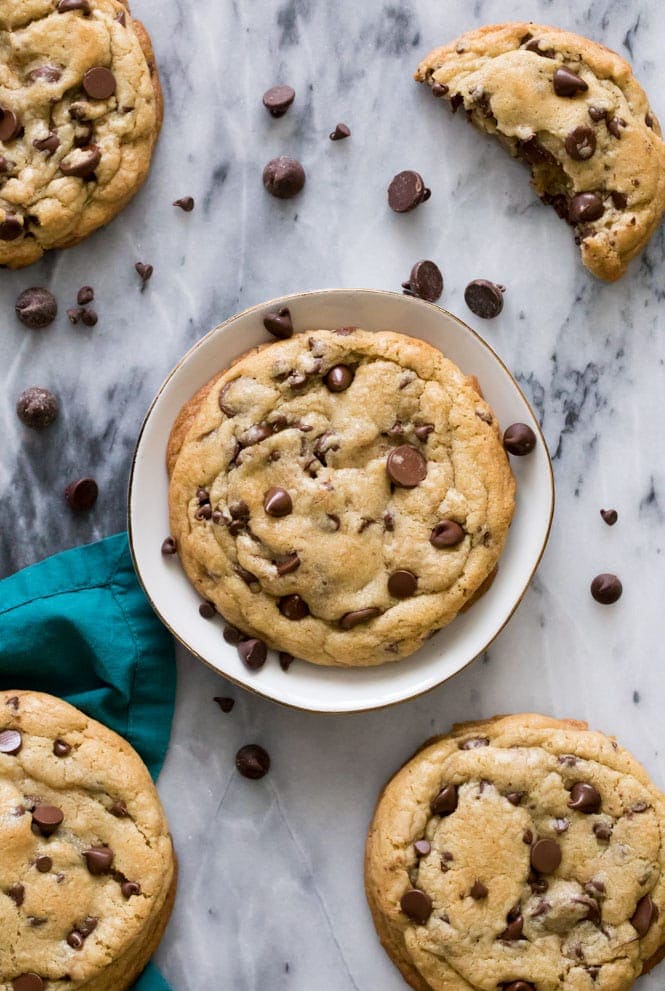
x,y
340,494
572,110
86,860
521,853
80,111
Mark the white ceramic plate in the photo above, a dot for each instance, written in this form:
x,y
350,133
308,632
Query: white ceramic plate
x,y
308,686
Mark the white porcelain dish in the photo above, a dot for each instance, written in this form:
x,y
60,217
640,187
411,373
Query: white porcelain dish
x,y
308,686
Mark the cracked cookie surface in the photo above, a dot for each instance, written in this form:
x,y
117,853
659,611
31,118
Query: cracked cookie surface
x,y
87,873
522,853
572,111
80,112
340,494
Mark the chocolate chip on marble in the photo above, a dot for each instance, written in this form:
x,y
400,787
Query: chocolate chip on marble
x,y
207,609
339,378
446,533
224,703
66,5
29,981
585,208
288,565
358,616
610,516
37,408
341,132
74,314
11,742
185,203
119,810
515,797
85,295
293,607
445,802
99,83
169,547
277,502
82,162
417,905
484,298
47,818
43,864
10,125
406,191
422,848
581,143
145,273
81,495
545,856
49,144
278,99
17,894
36,308
519,439
89,316
606,589
279,323
425,281
253,653
567,83
406,466
602,831
645,914
584,798
402,584
129,889
284,177
98,860
253,761
478,891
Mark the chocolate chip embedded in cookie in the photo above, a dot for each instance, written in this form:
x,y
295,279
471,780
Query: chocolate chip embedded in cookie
x,y
81,111
531,861
87,870
338,496
572,110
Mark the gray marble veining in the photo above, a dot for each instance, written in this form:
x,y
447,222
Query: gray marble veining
x,y
271,872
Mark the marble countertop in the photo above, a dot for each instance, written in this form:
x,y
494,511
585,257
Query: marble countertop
x,y
271,872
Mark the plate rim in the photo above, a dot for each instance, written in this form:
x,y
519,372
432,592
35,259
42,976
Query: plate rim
x,y
284,301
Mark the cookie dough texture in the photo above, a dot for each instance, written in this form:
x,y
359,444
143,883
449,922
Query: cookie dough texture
x,y
577,930
281,426
503,77
40,906
44,57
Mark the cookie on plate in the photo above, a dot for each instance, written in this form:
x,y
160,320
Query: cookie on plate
x,y
521,853
340,494
80,112
572,110
87,870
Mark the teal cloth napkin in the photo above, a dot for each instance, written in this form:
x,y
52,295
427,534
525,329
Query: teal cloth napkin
x,y
78,626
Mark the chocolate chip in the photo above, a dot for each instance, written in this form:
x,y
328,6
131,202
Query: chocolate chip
x,y
614,125
519,986
406,466
31,981
225,703
75,940
358,616
514,928
610,516
638,807
61,748
519,439
527,837
253,761
277,502
594,888
99,83
417,905
597,114
619,200
422,848
341,131
644,915
11,742
10,229
207,609
88,926
85,295
288,565
484,298
537,884
478,891
36,308
406,191
293,607
606,589
439,89
89,317
232,635
567,83
602,831
74,314
43,864
66,5
402,584
545,856
474,743
145,272
445,802
425,281
17,894
283,177
98,860
37,408
339,378
544,52
13,703
585,208
649,119
279,324
561,826
47,818
278,99
119,810
169,547
10,125
515,797
130,888
186,203
423,430
49,144
285,660
581,143
82,494
584,798
45,73
253,653
446,533
82,162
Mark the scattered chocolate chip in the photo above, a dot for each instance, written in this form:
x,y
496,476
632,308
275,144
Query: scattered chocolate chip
x,y
98,860
406,191
602,831
130,888
474,743
285,660
446,533
519,439
484,298
31,981
49,144
341,131
81,495
66,5
515,797
89,316
85,295
17,894
278,99
584,798
545,856
610,516
145,273
279,324
277,502
358,616
288,565
585,208
283,177
11,742
606,589
402,584
207,609
43,864
417,905
253,653
422,848
61,748
581,143
425,281
99,83
37,408
10,125
339,378
567,83
169,547
253,761
82,162
186,203
478,891
119,810
644,915
445,802
36,308
47,818
406,466
293,607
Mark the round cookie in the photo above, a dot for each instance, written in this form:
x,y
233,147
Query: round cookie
x,y
521,853
340,494
87,869
572,110
80,111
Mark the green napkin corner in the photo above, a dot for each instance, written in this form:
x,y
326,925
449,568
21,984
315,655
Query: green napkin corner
x,y
78,626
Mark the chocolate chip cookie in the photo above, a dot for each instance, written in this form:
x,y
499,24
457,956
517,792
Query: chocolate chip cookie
x,y
572,111
520,853
339,494
80,112
87,871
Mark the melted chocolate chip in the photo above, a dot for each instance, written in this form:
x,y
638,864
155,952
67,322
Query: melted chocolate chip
x,y
402,584
567,83
585,208
417,905
445,802
645,914
446,533
406,466
581,143
602,831
61,748
98,860
293,607
584,798
99,83
358,616
478,891
339,378
36,308
545,856
129,889
277,502
47,818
